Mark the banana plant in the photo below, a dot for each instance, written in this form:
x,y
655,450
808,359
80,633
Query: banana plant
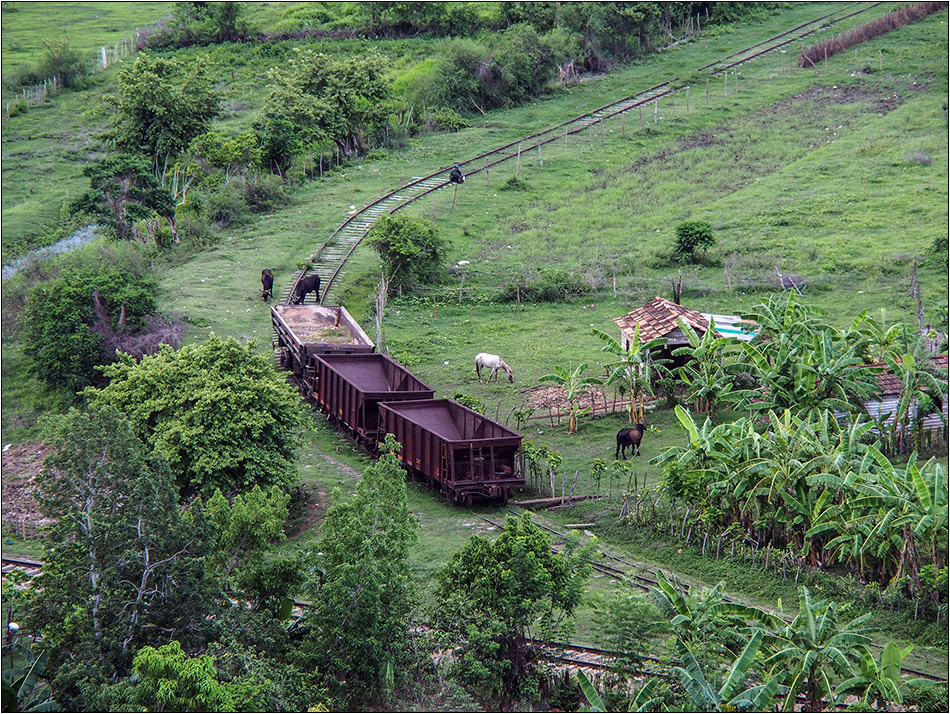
x,y
879,684
704,374
813,649
574,385
731,696
23,688
633,367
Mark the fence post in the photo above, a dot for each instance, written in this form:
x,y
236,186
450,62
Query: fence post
x,y
623,123
487,178
656,109
707,91
104,61
540,157
518,160
601,131
687,99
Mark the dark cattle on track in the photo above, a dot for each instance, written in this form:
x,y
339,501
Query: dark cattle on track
x,y
309,284
629,437
267,284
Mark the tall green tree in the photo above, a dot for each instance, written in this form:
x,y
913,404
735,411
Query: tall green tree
x,y
125,567
219,412
161,105
493,595
123,190
363,596
62,338
320,97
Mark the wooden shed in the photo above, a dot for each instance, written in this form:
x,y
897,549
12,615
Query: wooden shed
x,y
889,394
660,318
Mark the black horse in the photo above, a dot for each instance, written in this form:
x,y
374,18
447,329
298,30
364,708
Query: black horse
x,y
629,437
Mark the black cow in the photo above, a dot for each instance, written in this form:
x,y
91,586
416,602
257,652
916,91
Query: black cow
x,y
310,284
267,281
629,437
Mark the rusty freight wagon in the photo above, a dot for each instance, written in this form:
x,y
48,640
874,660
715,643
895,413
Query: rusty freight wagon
x,y
304,331
455,449
349,388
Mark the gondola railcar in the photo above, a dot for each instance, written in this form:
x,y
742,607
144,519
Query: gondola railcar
x,y
304,331
350,388
455,449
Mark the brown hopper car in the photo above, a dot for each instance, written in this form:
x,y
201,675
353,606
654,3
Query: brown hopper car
x,y
455,449
350,387
304,331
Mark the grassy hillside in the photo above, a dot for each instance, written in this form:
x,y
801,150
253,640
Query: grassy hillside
x,y
837,176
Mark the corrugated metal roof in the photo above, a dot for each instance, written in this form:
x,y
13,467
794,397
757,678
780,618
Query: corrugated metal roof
x,y
890,383
659,317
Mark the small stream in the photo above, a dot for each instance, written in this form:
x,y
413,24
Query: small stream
x,y
84,235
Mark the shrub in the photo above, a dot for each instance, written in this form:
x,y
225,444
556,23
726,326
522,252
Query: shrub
x,y
264,192
411,250
59,322
691,237
552,286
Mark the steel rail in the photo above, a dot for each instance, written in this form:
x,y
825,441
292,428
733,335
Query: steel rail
x,y
361,221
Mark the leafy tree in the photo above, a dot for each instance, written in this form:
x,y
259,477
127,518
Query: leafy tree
x,y
691,238
202,23
123,190
574,384
61,334
125,567
62,61
161,105
221,414
363,597
322,98
167,679
628,624
246,526
492,593
411,249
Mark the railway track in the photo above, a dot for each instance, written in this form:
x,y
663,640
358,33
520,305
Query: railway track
x,y
330,258
642,582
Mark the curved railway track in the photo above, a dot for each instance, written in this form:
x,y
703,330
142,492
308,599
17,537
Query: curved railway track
x,y
329,259
636,577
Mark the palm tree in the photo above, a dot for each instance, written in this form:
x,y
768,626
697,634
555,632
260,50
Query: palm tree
x,y
574,384
808,653
633,368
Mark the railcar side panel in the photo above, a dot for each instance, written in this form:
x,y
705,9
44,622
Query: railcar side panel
x,y
463,452
350,387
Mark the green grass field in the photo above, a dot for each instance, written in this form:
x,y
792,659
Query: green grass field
x,y
837,176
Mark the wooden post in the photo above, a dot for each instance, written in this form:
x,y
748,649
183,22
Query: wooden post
x,y
623,123
880,66
565,140
725,83
641,116
601,131
687,99
590,135
454,194
540,157
656,109
707,91
487,177
518,160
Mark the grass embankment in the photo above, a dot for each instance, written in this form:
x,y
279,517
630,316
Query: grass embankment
x,y
835,176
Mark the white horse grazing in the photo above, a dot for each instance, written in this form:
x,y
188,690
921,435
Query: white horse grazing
x,y
492,362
